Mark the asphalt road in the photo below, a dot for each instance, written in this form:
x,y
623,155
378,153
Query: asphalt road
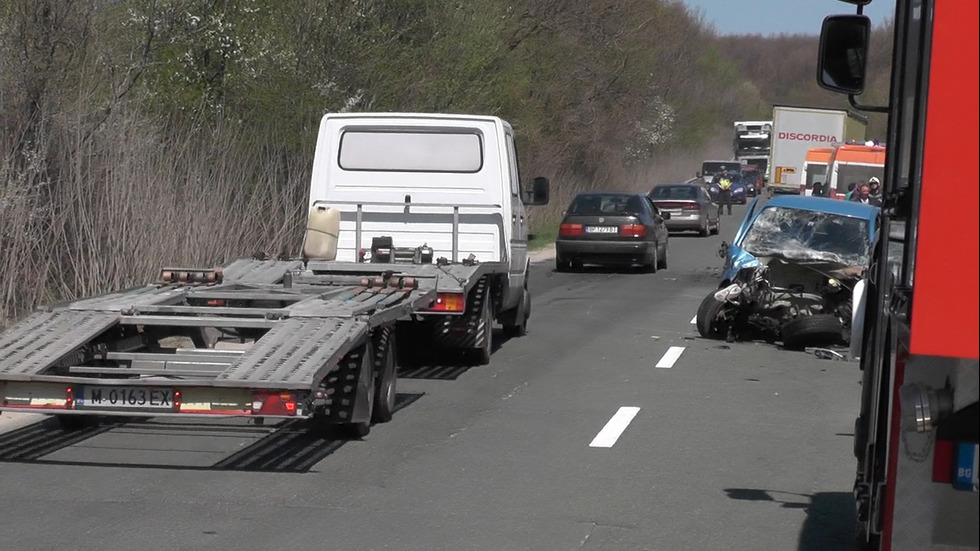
x,y
611,426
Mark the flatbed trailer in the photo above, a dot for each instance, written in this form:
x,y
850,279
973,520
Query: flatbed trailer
x,y
311,339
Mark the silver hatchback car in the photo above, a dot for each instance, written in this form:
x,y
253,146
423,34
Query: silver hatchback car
x,y
690,208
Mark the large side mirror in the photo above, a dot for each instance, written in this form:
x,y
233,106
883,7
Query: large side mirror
x,y
723,250
841,65
539,193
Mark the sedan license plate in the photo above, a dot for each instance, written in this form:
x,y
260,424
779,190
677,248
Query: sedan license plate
x,y
125,398
601,229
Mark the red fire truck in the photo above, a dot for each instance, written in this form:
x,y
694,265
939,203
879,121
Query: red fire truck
x,y
917,432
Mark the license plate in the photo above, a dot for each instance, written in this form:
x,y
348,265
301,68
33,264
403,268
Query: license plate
x,y
126,398
673,212
601,229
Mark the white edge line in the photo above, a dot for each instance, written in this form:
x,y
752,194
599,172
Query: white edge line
x,y
667,361
614,428
694,319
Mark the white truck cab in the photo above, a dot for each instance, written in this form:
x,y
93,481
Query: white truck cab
x,y
447,183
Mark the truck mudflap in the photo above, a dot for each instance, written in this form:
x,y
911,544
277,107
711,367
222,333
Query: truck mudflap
x,y
473,329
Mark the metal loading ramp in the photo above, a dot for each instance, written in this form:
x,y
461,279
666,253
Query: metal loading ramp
x,y
36,343
293,353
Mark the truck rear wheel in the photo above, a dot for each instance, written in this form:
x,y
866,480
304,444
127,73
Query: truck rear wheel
x,y
484,328
385,374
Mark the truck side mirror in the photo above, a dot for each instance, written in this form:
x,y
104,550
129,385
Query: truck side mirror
x,y
723,250
539,193
842,62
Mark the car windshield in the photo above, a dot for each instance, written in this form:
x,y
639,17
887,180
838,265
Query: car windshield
x,y
799,234
675,192
605,203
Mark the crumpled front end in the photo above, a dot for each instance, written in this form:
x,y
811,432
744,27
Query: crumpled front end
x,y
808,303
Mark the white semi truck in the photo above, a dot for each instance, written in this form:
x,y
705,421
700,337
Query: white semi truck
x,y
797,129
752,145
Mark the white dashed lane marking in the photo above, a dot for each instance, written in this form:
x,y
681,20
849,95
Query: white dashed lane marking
x,y
614,428
694,319
667,361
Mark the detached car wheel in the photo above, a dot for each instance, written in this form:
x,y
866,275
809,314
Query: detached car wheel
x,y
816,330
709,322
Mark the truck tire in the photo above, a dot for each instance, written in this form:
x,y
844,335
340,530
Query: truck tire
x,y
708,322
816,330
484,325
342,391
386,375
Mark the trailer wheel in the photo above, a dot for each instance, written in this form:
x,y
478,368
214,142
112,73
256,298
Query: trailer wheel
x,y
386,376
343,387
820,329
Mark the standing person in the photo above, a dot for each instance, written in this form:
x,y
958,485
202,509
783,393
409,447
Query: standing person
x,y
875,186
850,191
724,183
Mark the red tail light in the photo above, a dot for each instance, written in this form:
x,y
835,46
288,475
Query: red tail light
x,y
632,230
273,403
449,302
570,230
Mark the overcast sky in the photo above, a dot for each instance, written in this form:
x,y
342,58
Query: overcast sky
x,y
781,16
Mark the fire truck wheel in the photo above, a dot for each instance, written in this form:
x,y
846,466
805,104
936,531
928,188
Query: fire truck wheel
x,y
817,330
